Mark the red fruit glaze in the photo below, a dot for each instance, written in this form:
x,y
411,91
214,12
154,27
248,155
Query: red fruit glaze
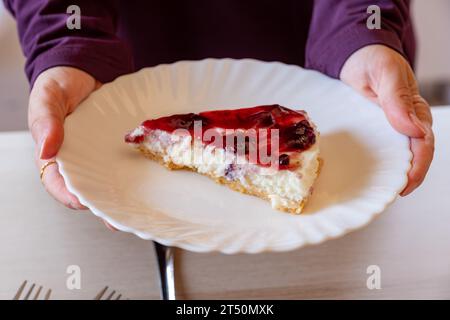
x,y
295,132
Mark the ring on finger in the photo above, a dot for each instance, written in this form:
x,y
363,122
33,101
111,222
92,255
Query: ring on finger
x,y
45,166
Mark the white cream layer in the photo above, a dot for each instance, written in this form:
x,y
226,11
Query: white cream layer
x,y
285,188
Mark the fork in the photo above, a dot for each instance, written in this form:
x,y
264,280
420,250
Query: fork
x,y
166,270
111,296
30,291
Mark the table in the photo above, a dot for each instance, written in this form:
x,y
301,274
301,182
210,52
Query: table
x,y
40,238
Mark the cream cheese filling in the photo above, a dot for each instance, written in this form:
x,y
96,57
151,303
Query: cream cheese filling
x,y
284,188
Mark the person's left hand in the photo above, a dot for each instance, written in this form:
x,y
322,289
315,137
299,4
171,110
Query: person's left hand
x,y
385,77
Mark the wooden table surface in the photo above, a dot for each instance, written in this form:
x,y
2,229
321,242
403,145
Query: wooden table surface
x,y
39,239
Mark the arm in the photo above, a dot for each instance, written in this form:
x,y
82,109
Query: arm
x,y
47,42
376,63
338,29
64,66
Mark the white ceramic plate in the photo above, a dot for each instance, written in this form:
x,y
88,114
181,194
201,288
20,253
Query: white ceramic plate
x,y
365,160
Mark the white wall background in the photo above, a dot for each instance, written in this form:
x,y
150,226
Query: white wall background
x,y
432,20
13,84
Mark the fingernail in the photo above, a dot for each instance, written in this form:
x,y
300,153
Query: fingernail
x,y
110,227
417,123
76,206
71,205
41,146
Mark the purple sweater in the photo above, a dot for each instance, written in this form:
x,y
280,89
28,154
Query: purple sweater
x,y
118,37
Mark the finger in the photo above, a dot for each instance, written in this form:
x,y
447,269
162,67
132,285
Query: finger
x,y
422,110
55,185
395,95
423,151
45,118
98,85
110,227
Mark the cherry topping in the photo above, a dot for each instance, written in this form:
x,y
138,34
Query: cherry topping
x,y
262,119
283,160
241,143
185,121
299,136
295,132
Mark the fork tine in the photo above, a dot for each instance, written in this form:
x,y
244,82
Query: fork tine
x,y
111,295
119,296
19,291
29,292
47,295
101,293
37,293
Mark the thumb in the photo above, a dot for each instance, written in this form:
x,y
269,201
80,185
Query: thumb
x,y
396,99
46,114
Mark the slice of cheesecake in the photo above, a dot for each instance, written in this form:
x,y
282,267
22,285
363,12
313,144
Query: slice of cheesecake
x,y
268,151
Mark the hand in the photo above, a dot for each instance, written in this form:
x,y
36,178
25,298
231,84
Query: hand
x,y
56,93
384,76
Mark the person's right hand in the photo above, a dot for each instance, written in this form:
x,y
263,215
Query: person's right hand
x,y
56,93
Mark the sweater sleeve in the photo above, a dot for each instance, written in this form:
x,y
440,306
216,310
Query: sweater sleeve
x,y
47,42
339,28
